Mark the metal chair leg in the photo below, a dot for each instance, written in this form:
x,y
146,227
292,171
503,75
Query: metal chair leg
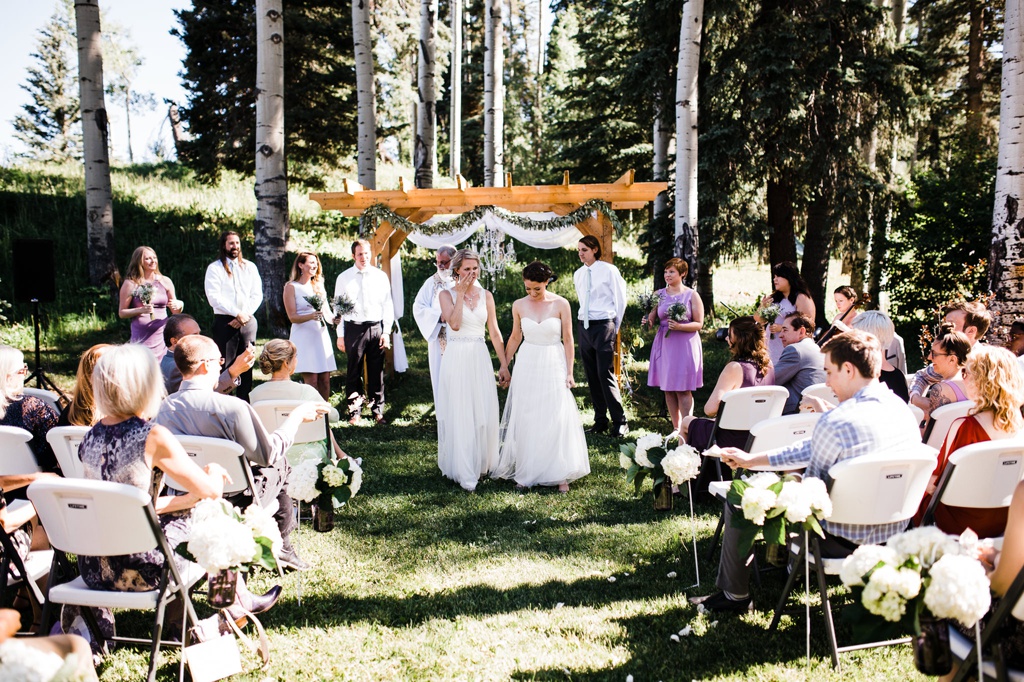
x,y
798,568
826,607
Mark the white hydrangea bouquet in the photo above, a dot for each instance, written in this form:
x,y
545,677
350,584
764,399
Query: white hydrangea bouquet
x,y
224,538
770,504
918,573
22,663
650,456
328,483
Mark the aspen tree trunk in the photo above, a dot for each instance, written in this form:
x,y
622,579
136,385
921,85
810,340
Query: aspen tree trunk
x,y
686,238
366,96
99,209
662,139
494,93
1006,274
270,231
425,151
455,140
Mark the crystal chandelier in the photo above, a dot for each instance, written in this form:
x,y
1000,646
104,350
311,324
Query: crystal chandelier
x,y
495,255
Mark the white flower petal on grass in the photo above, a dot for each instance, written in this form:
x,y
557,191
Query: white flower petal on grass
x,y
674,638
701,608
671,574
685,632
559,604
629,678
713,624
611,578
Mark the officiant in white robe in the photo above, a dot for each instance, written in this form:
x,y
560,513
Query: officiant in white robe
x,y
427,311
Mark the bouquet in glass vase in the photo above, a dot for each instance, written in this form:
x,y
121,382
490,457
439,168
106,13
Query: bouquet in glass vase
x,y
677,312
327,483
911,586
771,506
225,541
317,302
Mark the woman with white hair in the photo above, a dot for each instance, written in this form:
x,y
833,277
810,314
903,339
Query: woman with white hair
x,y
878,324
25,412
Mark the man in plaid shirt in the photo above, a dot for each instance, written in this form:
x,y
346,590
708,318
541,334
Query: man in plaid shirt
x,y
868,419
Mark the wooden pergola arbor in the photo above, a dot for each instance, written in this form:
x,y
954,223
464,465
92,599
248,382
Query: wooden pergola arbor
x,y
419,205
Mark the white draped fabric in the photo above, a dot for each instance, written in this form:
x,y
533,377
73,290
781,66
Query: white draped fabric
x,y
540,239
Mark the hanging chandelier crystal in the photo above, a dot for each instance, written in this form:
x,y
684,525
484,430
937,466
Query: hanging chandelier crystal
x,y
495,255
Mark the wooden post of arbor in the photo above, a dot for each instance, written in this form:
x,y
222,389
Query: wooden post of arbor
x,y
418,205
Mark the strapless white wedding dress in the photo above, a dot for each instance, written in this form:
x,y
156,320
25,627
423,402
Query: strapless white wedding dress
x,y
467,414
542,441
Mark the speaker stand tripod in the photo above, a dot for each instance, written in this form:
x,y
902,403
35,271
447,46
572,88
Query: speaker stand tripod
x,y
42,381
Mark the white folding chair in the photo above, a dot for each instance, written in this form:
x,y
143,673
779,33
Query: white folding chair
x,y
871,490
741,408
942,418
230,455
979,476
821,391
65,441
81,517
917,412
273,413
16,457
22,572
48,397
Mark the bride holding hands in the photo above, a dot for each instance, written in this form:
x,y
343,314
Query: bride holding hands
x,y
542,440
467,416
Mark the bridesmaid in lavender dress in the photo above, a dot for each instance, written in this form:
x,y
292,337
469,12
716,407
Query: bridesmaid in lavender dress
x,y
677,360
791,295
148,317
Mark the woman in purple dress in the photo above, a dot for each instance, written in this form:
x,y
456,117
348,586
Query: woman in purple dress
x,y
146,298
677,359
791,295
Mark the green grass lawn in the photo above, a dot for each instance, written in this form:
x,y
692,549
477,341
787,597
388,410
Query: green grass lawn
x,y
420,580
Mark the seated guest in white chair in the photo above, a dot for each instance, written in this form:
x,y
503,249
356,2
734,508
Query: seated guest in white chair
x,y
970,318
868,418
278,359
800,364
182,325
198,410
25,411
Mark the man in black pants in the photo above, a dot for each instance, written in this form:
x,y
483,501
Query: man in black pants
x,y
366,331
602,295
235,291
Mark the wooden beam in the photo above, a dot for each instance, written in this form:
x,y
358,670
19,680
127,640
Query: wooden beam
x,y
563,209
627,178
422,215
565,178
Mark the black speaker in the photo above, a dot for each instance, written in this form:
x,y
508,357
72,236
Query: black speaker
x,y
33,270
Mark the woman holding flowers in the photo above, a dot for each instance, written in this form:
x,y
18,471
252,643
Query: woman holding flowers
x,y
993,380
467,418
677,359
791,295
146,297
124,446
305,302
542,441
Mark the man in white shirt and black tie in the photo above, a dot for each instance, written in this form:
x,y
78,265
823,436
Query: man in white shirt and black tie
x,y
235,291
602,295
366,331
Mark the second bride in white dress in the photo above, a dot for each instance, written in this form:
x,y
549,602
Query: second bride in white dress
x,y
542,440
467,414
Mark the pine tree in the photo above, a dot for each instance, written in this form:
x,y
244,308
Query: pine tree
x,y
51,124
220,74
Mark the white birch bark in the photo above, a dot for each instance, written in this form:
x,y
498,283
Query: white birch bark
x,y
366,95
686,135
1007,262
662,140
99,203
455,141
494,93
425,151
270,231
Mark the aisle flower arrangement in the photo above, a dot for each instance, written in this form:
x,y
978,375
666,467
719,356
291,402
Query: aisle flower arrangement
x,y
918,575
772,506
224,538
22,663
328,483
650,456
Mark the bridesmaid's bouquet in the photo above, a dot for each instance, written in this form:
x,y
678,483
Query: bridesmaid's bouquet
x,y
648,301
317,301
769,314
144,293
677,312
342,305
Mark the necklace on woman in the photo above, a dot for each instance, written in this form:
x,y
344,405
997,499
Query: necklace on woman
x,y
471,299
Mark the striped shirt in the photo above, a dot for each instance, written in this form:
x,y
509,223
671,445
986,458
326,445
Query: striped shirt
x,y
874,419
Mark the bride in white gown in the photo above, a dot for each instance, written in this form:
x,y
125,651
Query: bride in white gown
x,y
542,441
467,416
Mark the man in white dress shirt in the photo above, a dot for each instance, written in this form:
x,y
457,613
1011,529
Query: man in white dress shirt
x,y
427,310
366,331
235,291
602,295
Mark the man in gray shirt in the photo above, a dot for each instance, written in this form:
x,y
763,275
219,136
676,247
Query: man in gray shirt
x,y
801,363
198,410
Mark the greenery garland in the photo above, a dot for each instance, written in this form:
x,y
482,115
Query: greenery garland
x,y
379,212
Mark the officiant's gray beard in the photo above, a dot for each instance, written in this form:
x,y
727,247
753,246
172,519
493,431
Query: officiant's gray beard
x,y
444,274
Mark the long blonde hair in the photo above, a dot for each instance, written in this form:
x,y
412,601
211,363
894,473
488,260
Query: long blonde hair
x,y
999,385
135,272
82,410
11,361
